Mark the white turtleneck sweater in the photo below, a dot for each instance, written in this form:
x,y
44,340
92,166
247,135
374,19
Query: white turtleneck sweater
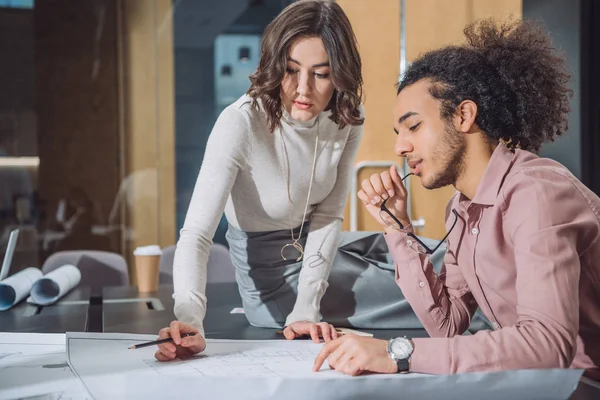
x,y
243,174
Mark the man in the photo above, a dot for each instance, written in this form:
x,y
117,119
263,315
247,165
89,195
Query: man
x,y
523,241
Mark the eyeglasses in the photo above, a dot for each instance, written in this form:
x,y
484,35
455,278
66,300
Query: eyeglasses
x,y
414,242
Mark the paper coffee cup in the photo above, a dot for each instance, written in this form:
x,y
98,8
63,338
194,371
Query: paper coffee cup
x,y
147,267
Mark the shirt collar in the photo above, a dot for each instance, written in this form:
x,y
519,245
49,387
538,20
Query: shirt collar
x,y
493,178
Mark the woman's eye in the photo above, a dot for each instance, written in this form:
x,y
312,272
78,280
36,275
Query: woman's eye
x,y
321,76
292,71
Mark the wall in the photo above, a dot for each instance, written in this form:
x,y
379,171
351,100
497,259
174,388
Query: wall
x,y
561,18
429,24
147,116
76,73
205,35
17,74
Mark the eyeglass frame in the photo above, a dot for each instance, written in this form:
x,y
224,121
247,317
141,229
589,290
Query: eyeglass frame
x,y
429,251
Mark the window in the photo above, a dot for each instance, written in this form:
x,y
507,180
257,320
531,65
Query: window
x,y
16,3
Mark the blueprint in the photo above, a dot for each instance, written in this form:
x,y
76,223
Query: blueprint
x,y
34,366
236,369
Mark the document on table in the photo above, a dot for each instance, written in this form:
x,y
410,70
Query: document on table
x,y
279,369
34,365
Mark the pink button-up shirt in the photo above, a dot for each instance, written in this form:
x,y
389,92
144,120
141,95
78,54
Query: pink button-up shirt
x,y
526,250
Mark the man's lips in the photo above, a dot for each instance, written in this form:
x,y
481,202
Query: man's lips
x,y
413,163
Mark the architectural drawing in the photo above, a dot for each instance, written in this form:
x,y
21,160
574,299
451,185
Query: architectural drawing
x,y
34,366
246,369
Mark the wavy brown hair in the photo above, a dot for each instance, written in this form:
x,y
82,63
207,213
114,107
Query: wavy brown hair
x,y
513,73
310,18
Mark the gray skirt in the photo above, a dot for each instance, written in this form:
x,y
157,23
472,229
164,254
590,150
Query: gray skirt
x,y
362,290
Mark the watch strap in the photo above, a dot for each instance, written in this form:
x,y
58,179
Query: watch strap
x,y
402,365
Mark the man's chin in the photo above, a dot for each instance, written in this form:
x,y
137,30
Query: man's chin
x,y
430,183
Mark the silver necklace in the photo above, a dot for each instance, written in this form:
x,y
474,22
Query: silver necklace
x,y
295,240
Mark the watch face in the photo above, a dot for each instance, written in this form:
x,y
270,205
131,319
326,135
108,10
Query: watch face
x,y
401,348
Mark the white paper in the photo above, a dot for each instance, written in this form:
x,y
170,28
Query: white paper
x,y
16,287
55,285
244,369
34,364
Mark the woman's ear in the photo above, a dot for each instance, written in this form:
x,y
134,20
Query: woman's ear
x,y
466,112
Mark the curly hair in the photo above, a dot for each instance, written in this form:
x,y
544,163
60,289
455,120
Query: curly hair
x,y
310,18
511,71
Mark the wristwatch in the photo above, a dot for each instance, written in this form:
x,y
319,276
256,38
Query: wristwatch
x,y
400,349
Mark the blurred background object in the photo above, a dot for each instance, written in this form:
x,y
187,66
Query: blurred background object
x,y
106,106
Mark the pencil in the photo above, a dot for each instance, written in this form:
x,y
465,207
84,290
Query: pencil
x,y
341,331
280,331
154,343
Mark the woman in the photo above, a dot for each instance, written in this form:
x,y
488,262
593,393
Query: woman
x,y
279,163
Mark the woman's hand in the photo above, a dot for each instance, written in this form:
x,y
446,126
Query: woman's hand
x,y
181,347
315,330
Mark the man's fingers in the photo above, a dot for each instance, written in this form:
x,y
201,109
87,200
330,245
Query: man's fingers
x,y
370,192
343,361
327,349
387,182
395,177
397,180
380,190
334,358
351,367
364,197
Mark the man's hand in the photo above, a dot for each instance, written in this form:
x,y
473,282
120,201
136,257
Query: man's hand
x,y
353,355
385,186
301,328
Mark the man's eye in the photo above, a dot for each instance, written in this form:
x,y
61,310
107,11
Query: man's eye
x,y
414,127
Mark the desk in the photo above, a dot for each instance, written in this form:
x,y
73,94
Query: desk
x,y
219,323
67,315
125,313
124,310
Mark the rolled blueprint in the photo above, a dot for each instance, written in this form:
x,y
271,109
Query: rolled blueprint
x,y
55,285
15,288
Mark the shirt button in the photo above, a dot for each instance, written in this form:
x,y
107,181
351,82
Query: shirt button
x,y
495,325
422,284
474,231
